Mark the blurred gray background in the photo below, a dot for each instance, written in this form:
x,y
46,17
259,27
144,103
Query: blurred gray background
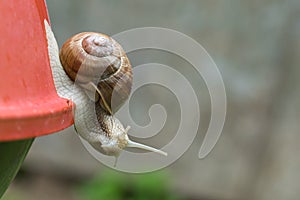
x,y
256,46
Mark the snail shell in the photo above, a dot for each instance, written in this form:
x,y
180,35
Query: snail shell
x,y
96,58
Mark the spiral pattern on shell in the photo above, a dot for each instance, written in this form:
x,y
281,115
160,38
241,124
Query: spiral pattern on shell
x,y
95,57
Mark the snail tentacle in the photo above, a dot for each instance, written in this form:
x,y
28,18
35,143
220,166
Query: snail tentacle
x,y
102,98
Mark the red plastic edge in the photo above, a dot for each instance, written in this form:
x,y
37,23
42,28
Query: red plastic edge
x,y
29,117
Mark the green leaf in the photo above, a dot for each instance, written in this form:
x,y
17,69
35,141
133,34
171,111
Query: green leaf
x,y
12,155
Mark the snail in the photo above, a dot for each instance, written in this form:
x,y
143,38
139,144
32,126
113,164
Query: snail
x,y
94,72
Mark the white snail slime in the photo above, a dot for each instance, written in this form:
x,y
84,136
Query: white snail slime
x,y
76,69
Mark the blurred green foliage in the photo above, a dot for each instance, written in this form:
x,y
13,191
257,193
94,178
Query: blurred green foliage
x,y
13,195
12,155
112,185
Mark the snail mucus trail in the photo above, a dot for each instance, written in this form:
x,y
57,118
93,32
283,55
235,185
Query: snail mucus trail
x,y
99,67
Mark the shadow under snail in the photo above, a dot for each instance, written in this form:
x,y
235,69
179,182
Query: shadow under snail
x,y
94,72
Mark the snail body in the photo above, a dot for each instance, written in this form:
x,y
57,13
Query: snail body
x,y
94,72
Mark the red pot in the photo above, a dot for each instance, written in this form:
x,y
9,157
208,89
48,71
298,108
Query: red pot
x,y
29,104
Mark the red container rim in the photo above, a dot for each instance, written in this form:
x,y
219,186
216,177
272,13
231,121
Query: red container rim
x,y
29,104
